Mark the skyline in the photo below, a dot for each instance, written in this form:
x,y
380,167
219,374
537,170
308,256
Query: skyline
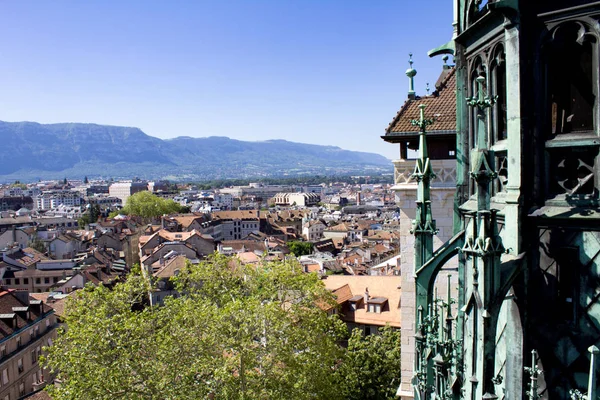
x,y
312,72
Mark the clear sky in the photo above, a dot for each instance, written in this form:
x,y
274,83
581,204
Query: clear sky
x,y
313,71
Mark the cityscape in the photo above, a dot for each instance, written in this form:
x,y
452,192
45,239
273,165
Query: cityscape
x,y
451,252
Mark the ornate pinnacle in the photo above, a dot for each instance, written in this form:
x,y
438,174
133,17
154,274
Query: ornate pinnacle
x,y
481,100
411,72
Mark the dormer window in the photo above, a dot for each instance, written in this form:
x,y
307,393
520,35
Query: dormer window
x,y
356,302
377,304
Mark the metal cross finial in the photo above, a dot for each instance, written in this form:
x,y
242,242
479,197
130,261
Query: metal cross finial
x,y
410,61
481,100
535,372
427,88
422,122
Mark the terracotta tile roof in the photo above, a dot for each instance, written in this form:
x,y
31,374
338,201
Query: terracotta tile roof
x,y
168,269
440,105
57,305
379,287
230,215
27,257
342,294
7,302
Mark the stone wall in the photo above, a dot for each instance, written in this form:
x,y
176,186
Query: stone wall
x,y
442,203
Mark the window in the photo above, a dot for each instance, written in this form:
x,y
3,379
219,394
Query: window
x,y
33,357
20,365
25,281
18,341
49,342
570,113
21,389
499,88
37,280
8,281
3,351
55,279
46,280
17,281
5,376
31,337
570,81
48,323
36,331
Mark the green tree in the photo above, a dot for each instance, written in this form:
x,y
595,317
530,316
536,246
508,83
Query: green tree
x,y
147,205
299,248
84,220
371,368
239,332
38,244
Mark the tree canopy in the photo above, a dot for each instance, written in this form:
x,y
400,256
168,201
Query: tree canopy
x,y
299,248
147,205
238,332
371,366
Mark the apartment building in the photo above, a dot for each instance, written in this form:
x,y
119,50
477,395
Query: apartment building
x,y
26,326
122,190
52,199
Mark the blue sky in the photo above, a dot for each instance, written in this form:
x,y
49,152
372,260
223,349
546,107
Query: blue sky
x,y
312,71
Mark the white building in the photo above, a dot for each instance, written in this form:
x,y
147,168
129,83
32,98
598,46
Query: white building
x,y
122,190
52,199
297,199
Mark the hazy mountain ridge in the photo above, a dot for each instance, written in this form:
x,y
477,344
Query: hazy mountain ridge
x,y
33,150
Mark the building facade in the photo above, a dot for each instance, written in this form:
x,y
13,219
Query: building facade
x,y
441,141
27,325
122,190
526,208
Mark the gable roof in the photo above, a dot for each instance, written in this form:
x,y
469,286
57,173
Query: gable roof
x,y
440,105
379,287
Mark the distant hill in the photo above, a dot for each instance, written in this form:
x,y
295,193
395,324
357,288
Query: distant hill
x,y
51,151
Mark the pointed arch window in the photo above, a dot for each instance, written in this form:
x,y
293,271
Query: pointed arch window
x,y
570,80
499,90
571,68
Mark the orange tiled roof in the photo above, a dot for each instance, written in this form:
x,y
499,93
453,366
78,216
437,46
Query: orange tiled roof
x,y
387,287
440,105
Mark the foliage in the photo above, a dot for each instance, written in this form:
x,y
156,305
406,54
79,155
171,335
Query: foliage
x,y
37,244
147,205
371,369
239,332
90,216
19,185
300,248
83,220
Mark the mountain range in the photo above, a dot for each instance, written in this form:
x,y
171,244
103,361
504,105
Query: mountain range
x,y
52,151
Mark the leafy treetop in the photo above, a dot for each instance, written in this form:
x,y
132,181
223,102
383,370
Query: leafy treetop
x,y
147,205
